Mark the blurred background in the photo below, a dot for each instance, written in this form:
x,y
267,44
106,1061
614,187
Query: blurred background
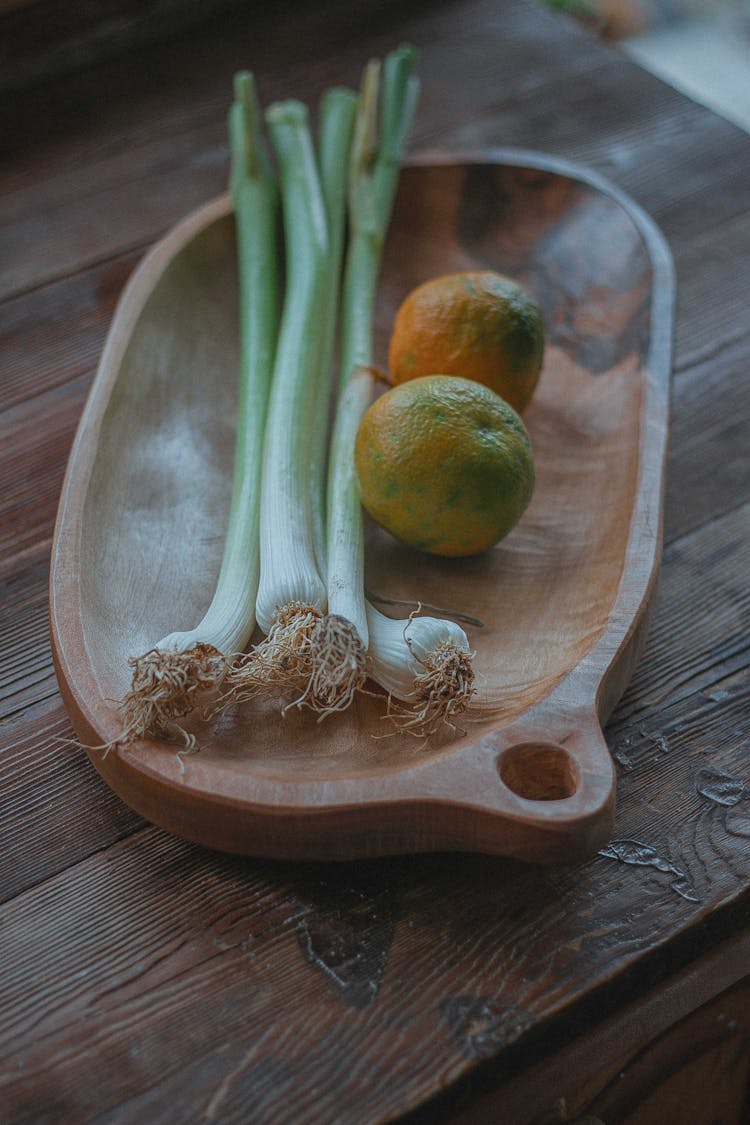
x,y
702,47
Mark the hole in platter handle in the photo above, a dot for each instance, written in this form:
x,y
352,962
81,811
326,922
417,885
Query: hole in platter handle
x,y
561,759
538,771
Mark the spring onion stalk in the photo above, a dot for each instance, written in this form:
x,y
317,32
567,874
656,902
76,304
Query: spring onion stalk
x,y
291,592
335,125
337,656
423,661
383,120
179,672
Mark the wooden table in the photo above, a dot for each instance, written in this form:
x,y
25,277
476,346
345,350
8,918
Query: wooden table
x,y
145,979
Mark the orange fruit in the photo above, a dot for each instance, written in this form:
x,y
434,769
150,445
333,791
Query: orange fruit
x,y
444,464
480,325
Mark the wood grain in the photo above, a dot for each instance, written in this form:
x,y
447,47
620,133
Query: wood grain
x,y
473,969
671,1050
701,1064
47,781
30,498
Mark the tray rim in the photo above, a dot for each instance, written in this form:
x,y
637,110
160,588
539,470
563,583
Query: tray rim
x,y
618,643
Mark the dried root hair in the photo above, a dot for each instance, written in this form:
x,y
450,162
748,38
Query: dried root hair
x,y
282,660
338,666
442,691
167,686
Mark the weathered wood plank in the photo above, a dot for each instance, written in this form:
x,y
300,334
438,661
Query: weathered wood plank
x,y
708,468
79,231
134,937
44,39
698,1017
692,652
26,674
56,333
49,782
35,439
703,1063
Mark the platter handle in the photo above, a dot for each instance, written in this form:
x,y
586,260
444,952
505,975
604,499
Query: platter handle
x,y
542,788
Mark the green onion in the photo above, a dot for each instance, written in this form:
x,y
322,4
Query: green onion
x,y
341,637
423,661
288,570
382,126
291,593
338,108
184,666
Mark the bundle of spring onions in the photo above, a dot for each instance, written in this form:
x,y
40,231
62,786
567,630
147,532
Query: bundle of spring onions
x,y
294,552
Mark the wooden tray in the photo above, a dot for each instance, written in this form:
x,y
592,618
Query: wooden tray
x,y
559,606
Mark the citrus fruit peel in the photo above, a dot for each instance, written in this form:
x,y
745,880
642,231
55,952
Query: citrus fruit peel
x,y
444,464
479,325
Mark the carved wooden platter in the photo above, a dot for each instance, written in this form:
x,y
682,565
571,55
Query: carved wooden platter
x,y
555,613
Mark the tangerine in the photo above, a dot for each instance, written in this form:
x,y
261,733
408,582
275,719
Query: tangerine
x,y
479,325
444,464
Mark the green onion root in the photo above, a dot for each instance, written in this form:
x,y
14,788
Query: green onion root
x,y
283,661
426,664
167,686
